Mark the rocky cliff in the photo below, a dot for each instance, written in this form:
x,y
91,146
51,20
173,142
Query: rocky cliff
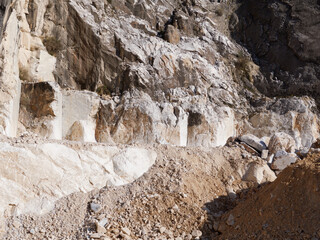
x,y
90,89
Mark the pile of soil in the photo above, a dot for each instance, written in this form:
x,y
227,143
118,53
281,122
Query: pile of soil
x,y
288,208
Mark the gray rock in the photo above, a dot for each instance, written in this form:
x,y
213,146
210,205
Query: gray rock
x,y
253,141
196,233
282,161
230,220
95,207
288,47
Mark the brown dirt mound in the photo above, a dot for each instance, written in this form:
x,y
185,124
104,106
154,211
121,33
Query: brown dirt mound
x,y
288,208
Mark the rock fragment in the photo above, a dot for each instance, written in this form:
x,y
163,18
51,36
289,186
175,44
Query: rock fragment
x,y
283,160
230,220
282,141
100,228
264,154
95,207
196,233
253,141
259,173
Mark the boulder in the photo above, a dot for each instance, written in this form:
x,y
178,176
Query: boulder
x,y
281,161
253,141
281,141
133,162
259,173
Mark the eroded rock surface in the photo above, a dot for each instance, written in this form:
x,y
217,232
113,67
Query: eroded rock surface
x,y
284,38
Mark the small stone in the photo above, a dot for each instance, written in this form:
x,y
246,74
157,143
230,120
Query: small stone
x,y
162,229
100,229
196,233
32,231
188,237
175,208
95,235
126,231
270,158
264,154
95,207
16,224
115,231
230,220
103,222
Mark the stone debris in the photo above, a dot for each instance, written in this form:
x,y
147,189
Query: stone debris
x,y
95,207
100,229
196,233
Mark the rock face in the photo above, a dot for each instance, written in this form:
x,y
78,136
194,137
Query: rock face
x,y
284,37
294,116
166,76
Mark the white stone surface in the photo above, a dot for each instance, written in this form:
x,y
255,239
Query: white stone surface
x,y
33,177
259,173
133,162
80,106
10,85
303,126
281,162
46,66
281,141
